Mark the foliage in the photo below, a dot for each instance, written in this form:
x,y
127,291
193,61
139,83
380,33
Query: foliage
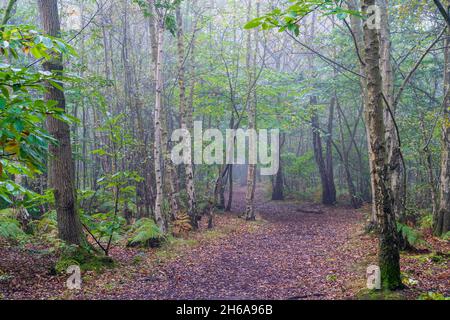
x,y
432,296
23,141
182,225
426,221
10,227
412,236
45,229
145,232
288,19
83,257
104,225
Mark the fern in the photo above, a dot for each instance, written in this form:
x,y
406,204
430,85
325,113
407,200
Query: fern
x,y
145,231
412,236
10,228
182,225
426,221
46,228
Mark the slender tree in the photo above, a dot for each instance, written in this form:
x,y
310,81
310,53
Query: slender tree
x,y
158,26
441,221
185,116
251,111
389,257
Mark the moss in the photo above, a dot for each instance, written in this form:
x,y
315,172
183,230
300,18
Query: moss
x,y
435,257
432,296
85,258
367,294
390,276
213,234
440,257
174,247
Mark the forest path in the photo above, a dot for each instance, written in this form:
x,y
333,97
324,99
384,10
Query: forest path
x,y
298,253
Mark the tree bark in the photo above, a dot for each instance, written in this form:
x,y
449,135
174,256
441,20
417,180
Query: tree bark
x,y
251,111
61,164
429,165
392,142
278,185
441,221
159,32
389,257
329,152
328,196
355,200
357,28
185,116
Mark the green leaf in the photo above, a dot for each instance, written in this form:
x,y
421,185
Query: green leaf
x,y
253,23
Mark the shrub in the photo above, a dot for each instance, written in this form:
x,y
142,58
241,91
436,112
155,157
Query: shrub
x,y
182,225
10,227
426,222
412,236
145,232
46,228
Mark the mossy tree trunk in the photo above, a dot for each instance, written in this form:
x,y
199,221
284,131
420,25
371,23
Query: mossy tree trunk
x,y
389,257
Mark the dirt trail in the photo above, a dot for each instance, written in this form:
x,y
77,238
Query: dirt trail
x,y
293,251
295,255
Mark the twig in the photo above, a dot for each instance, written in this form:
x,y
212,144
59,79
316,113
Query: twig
x,y
416,66
76,35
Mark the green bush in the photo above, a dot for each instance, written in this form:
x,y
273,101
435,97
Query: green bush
x,y
426,222
45,229
104,225
412,236
10,227
145,232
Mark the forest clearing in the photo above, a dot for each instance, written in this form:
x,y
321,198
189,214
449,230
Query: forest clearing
x,y
224,150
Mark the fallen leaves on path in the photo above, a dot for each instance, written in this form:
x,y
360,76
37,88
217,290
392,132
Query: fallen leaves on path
x,y
294,251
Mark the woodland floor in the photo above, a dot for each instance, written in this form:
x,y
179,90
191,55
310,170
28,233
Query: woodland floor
x,y
293,251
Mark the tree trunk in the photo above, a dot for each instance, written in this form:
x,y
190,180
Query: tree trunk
x,y
354,198
329,152
159,215
251,111
20,212
61,164
328,197
392,142
230,189
185,116
357,28
429,165
278,185
441,222
389,257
